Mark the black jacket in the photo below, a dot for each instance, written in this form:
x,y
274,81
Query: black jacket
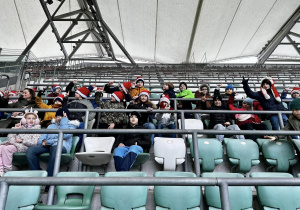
x,y
144,116
130,139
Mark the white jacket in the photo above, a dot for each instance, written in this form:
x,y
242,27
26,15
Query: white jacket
x,y
164,118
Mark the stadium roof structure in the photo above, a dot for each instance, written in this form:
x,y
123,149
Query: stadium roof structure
x,y
168,31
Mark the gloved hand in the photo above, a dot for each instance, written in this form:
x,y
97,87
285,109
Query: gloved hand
x,y
245,81
40,93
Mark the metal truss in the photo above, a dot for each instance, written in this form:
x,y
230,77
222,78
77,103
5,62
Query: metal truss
x,y
100,32
284,32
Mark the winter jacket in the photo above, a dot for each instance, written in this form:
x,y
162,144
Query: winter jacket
x,y
218,118
283,96
53,138
253,119
136,91
81,104
164,118
110,89
21,103
185,94
28,139
140,105
110,117
292,125
200,95
41,105
130,139
272,104
50,101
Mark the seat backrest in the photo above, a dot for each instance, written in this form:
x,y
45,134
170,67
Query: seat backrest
x,y
19,196
209,151
75,140
192,124
281,151
169,149
85,191
240,197
124,197
245,151
91,123
99,144
176,197
277,197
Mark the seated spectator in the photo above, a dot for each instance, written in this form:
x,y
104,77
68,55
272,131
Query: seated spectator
x,y
165,119
19,142
72,87
56,90
293,123
268,98
123,87
220,121
58,101
168,89
203,93
295,93
111,120
47,143
228,91
81,103
130,145
137,88
247,121
184,92
27,100
13,93
143,102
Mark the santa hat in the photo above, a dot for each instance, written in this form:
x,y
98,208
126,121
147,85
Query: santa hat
x,y
139,78
273,89
34,90
60,98
1,93
126,85
118,95
164,98
295,90
12,93
146,93
83,91
54,87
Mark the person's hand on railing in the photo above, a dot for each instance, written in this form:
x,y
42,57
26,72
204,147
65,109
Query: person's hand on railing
x,y
272,138
149,109
245,81
227,123
111,126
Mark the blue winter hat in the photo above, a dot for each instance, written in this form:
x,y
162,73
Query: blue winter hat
x,y
230,86
249,101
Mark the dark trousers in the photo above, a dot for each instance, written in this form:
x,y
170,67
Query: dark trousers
x,y
248,126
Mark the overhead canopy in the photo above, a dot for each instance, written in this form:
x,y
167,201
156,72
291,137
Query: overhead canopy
x,y
169,31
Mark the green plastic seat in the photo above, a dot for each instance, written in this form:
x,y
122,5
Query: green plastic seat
x,y
20,159
296,143
82,195
141,159
124,197
243,153
261,141
176,197
210,153
240,197
23,197
279,154
277,197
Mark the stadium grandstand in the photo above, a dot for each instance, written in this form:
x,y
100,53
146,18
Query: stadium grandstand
x,y
135,104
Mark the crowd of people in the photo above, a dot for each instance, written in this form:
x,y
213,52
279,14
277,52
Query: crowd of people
x,y
136,97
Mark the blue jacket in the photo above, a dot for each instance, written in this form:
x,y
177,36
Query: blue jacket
x,y
272,104
53,138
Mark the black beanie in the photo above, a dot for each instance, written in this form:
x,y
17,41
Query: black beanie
x,y
183,84
218,96
60,111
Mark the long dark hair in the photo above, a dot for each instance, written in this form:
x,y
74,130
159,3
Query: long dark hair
x,y
31,92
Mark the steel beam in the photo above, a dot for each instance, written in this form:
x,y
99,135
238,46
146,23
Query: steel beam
x,y
67,14
71,26
78,45
77,35
285,29
82,42
61,3
294,44
294,34
72,19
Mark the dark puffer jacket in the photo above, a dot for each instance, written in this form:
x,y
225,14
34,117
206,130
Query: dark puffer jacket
x,y
21,103
217,118
130,139
272,104
80,104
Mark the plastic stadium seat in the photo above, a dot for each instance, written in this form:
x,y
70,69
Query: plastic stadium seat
x,y
169,152
82,194
23,197
91,123
210,153
279,154
243,153
176,197
261,141
20,159
240,197
192,124
124,197
98,151
141,159
277,197
155,95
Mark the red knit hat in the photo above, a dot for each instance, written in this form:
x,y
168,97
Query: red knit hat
x,y
54,87
146,93
126,85
60,97
273,89
83,91
164,98
295,90
139,78
118,95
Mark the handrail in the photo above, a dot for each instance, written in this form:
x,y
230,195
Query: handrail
x,y
8,78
